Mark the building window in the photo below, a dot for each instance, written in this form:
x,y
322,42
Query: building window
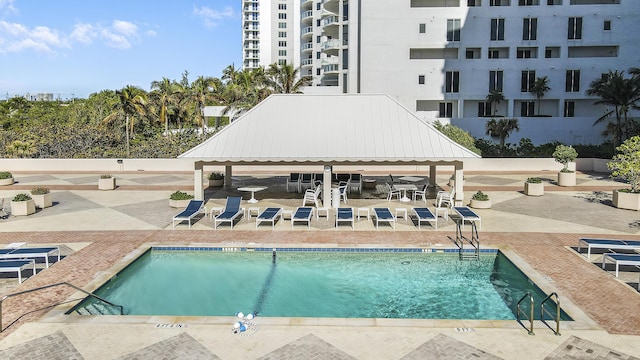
x,y
528,2
575,28
453,29
282,52
607,25
318,39
282,25
319,6
494,54
421,79
318,55
445,110
497,29
423,28
523,53
318,71
527,108
318,23
469,54
499,3
572,82
484,109
282,43
472,3
282,34
452,82
527,80
529,28
569,108
282,16
282,6
495,80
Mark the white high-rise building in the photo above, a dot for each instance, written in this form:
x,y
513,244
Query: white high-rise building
x,y
441,58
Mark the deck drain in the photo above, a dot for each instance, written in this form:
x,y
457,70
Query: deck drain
x,y
171,326
465,329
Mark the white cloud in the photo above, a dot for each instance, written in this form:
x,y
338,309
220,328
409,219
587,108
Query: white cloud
x,y
213,17
6,7
126,28
84,33
17,37
115,40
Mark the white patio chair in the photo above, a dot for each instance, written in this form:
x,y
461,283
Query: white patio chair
x,y
293,181
422,193
392,192
343,186
445,197
312,196
306,181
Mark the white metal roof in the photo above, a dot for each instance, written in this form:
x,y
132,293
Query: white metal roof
x,y
328,129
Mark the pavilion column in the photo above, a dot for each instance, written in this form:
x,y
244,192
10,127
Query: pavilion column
x,y
227,177
198,187
432,176
459,184
326,187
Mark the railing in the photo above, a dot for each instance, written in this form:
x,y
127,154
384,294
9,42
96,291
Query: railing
x,y
460,240
557,314
52,285
530,317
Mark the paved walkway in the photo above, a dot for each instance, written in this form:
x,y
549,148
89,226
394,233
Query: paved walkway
x,y
98,229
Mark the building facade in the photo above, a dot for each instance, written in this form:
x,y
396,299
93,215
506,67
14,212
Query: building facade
x,y
442,58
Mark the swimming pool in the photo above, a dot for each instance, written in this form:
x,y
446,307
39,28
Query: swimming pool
x,y
362,284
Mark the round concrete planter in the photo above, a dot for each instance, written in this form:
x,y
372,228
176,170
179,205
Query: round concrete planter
x,y
533,189
107,184
23,208
567,178
42,201
179,204
626,200
4,182
216,183
480,204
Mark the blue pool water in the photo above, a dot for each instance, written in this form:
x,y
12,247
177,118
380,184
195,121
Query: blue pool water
x,y
319,284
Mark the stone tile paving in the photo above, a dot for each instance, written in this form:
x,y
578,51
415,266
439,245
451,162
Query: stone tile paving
x,y
308,347
181,346
580,349
55,346
444,347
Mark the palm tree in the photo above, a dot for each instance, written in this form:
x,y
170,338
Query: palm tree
x,y
540,87
202,89
132,101
502,128
283,79
162,92
495,97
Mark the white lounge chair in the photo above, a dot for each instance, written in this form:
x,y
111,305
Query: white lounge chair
x,y
312,196
345,215
30,253
270,214
621,259
230,212
384,214
302,214
193,208
608,244
424,214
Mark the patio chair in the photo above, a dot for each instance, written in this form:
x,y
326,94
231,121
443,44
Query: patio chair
x,y
306,181
344,188
355,183
193,208
391,192
230,212
293,181
384,214
447,197
302,214
345,215
608,244
424,214
271,215
17,266
422,193
3,212
312,196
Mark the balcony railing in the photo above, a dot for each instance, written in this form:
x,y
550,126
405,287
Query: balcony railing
x,y
306,62
307,30
306,14
307,46
331,20
331,44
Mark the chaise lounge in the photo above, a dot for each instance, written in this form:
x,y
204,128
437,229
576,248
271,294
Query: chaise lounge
x,y
608,244
345,215
192,209
466,214
621,259
230,212
30,253
17,266
424,214
384,214
302,214
269,215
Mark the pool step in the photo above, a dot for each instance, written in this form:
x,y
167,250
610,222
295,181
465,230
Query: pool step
x,y
97,309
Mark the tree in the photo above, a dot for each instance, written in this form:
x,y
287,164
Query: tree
x,y
502,128
564,155
162,95
202,89
495,97
132,101
626,163
283,79
540,87
458,135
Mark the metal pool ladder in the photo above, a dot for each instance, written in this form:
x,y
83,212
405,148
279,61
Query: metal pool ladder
x,y
474,242
520,311
543,312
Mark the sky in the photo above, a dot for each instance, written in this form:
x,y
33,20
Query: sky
x,y
73,48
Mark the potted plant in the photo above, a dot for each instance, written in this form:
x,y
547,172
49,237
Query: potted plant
x,y
480,200
22,205
6,178
216,179
534,187
626,165
565,155
41,197
106,182
179,199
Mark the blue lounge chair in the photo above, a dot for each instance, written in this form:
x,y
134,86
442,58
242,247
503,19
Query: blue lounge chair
x,y
192,209
30,253
424,214
17,266
302,214
609,244
269,215
230,212
384,214
345,215
621,259
466,214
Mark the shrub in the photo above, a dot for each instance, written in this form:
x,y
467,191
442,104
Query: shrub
x,y
480,196
22,197
105,176
39,190
5,175
216,176
534,180
564,155
626,163
179,195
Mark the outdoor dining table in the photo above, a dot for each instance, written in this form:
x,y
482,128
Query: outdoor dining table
x,y
253,190
404,188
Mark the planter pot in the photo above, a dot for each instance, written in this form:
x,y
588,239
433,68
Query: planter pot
x,y
23,208
180,204
215,183
567,178
42,201
480,204
4,182
625,200
533,189
107,184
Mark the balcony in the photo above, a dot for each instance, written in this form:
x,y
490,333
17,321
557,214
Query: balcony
x,y
252,46
331,69
306,4
307,15
307,47
306,62
332,6
250,9
307,32
331,20
331,47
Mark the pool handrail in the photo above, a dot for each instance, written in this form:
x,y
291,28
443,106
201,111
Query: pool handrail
x,y
557,317
52,285
530,318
